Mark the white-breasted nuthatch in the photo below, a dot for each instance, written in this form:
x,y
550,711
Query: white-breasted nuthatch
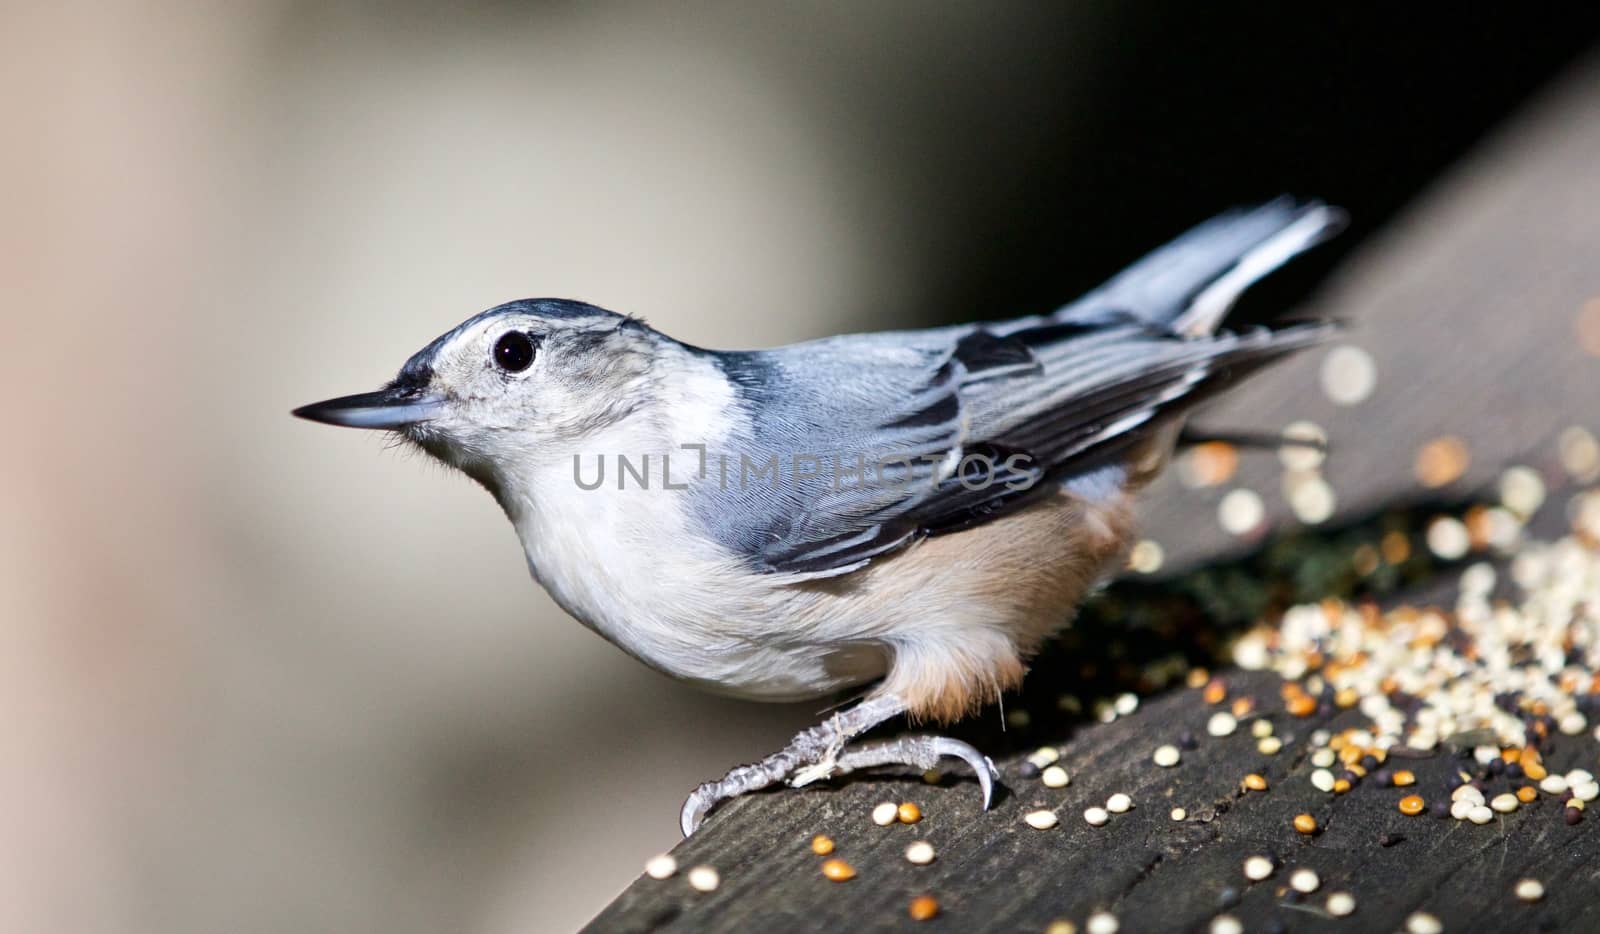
x,y
916,508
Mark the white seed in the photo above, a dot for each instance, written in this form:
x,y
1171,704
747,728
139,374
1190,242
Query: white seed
x,y
1302,457
1101,922
1348,375
1480,815
1522,490
1055,777
1257,868
1222,724
1579,777
1505,803
1553,784
1043,756
1167,756
920,852
1580,454
1470,794
1572,724
1322,780
1448,538
704,879
1529,890
1304,881
1341,904
1179,814
1251,651
1478,579
1096,816
1323,758
1226,924
1146,557
886,813
1269,745
1461,810
1312,500
1119,803
1505,529
1040,820
1423,923
1240,512
1586,792
1260,728
1126,703
661,867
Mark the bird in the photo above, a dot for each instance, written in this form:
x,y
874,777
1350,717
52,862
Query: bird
x,y
902,518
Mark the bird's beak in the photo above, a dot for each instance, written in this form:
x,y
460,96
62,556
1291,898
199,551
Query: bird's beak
x,y
394,407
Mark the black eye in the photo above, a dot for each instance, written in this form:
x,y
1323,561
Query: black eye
x,y
513,352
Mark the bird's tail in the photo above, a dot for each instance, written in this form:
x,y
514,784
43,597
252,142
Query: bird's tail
x,y
1190,284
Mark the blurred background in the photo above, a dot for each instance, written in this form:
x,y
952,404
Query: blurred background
x,y
266,676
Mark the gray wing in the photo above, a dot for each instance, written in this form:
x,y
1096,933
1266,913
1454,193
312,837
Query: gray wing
x,y
960,425
954,437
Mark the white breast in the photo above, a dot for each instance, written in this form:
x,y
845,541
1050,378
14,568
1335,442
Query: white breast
x,y
629,562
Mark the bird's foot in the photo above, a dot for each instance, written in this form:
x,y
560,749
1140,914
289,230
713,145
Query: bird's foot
x,y
924,753
826,766
820,752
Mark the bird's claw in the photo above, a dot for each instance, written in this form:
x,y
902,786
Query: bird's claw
x,y
922,752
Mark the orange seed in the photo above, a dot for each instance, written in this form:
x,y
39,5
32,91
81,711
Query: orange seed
x,y
838,870
822,844
1255,782
908,813
1305,823
1411,804
923,907
1404,777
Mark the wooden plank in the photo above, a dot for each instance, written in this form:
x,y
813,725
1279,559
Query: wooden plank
x,y
993,871
1468,307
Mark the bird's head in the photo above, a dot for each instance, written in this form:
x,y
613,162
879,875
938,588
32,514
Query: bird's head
x,y
522,380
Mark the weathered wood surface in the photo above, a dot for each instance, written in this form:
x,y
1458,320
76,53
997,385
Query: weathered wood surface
x,y
993,872
1469,306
